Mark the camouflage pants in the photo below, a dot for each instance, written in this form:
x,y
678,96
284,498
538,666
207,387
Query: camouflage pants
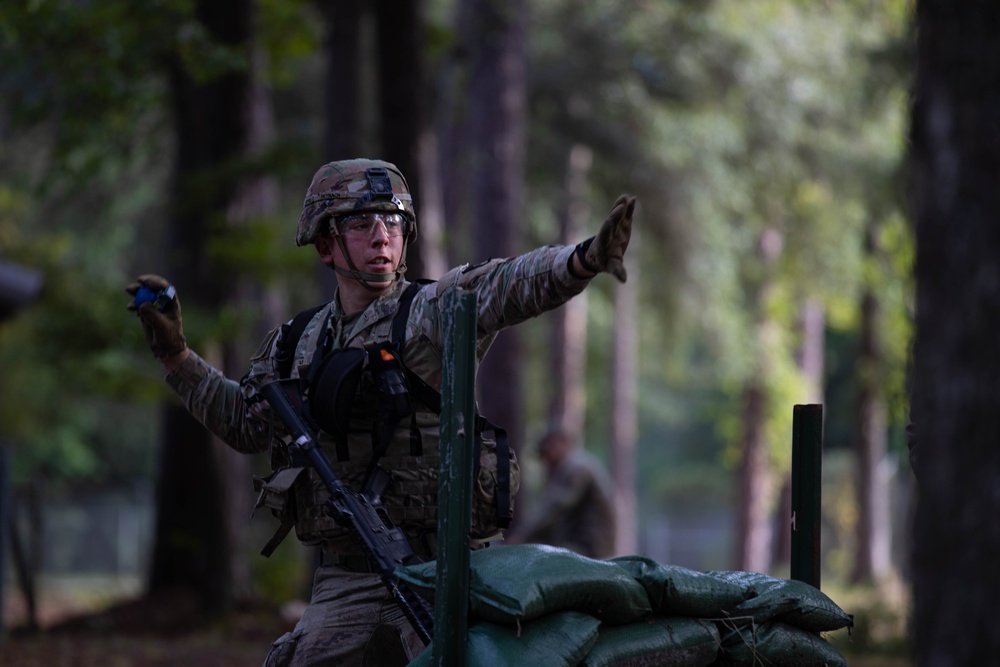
x,y
351,620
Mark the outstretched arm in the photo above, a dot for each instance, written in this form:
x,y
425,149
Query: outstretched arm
x,y
516,289
213,399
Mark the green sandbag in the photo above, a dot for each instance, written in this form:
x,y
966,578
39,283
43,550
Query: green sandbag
x,y
678,591
560,640
786,600
776,645
662,641
511,584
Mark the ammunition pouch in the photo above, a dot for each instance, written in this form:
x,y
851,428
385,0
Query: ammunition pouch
x,y
273,492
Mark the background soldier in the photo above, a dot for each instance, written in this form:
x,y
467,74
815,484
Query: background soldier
x,y
576,510
359,215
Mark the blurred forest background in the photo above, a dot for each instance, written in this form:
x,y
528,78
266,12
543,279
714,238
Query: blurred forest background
x,y
771,263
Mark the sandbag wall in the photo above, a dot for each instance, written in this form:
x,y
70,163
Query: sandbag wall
x,y
541,605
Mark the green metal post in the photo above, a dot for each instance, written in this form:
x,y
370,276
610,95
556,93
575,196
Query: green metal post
x,y
451,598
807,478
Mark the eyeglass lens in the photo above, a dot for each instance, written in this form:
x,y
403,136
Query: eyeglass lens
x,y
364,224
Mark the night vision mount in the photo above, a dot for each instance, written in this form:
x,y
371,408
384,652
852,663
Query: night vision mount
x,y
379,187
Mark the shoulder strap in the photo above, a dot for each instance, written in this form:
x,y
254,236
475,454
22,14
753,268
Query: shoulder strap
x,y
403,312
427,394
392,377
290,335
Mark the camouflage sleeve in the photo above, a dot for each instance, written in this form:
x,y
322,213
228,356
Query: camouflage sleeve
x,y
509,291
225,407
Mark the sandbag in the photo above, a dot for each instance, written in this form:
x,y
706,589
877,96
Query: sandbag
x,y
559,640
678,591
662,641
512,584
776,645
786,600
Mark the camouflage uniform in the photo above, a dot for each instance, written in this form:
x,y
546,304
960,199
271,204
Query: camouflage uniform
x,y
348,605
576,510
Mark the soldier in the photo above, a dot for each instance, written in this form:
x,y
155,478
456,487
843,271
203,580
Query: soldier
x,y
359,215
576,510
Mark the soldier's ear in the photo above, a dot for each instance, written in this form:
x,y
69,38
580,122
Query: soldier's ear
x,y
326,247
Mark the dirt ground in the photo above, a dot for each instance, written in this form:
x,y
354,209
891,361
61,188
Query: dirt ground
x,y
149,633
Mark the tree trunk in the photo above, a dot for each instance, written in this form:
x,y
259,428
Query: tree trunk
x,y
192,547
342,21
755,501
255,198
497,116
624,372
342,86
956,159
569,324
401,100
430,222
453,137
753,528
871,560
400,103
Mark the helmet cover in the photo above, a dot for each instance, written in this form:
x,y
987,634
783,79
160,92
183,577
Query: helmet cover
x,y
353,186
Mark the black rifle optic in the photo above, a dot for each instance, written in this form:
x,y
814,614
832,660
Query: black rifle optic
x,y
383,541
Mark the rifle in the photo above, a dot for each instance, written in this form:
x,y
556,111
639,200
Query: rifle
x,y
384,543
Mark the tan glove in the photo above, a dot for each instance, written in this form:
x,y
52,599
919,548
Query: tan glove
x,y
161,320
606,251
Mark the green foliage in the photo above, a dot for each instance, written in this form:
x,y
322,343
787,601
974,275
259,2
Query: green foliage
x,y
290,32
69,361
736,123
264,248
729,120
84,175
83,70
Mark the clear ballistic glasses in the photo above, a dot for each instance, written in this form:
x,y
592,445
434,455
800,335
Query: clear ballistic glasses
x,y
363,225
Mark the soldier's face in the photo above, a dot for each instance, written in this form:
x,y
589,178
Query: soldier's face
x,y
552,450
378,251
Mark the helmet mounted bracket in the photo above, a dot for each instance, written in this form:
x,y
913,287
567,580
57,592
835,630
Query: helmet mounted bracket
x,y
379,187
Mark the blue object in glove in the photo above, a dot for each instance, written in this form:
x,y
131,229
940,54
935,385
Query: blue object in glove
x,y
144,295
159,299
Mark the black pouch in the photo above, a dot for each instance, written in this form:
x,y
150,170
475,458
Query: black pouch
x,y
333,383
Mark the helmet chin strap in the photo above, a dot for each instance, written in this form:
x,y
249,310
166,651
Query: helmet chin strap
x,y
362,276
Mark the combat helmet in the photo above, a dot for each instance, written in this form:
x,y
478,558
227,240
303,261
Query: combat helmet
x,y
355,186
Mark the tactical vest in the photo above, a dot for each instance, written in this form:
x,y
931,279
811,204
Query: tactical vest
x,y
363,422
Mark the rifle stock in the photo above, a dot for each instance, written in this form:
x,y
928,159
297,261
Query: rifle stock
x,y
385,543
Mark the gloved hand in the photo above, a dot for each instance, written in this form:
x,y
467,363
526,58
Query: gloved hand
x,y
605,252
163,329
